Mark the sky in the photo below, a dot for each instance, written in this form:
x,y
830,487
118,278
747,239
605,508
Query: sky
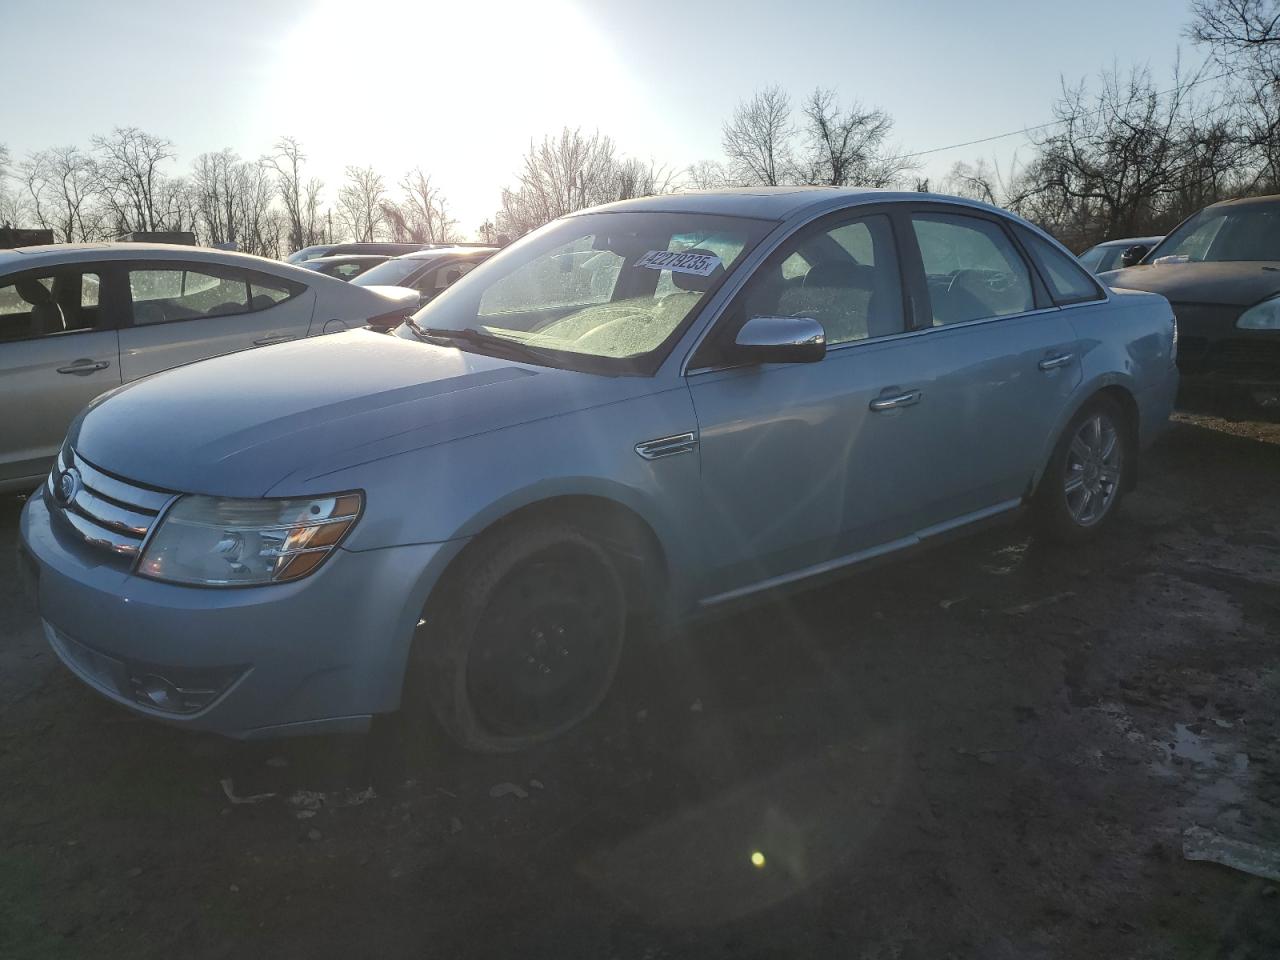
x,y
460,88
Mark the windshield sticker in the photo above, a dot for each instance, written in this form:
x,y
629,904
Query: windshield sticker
x,y
699,264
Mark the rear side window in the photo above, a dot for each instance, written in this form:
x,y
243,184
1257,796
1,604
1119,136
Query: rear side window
x,y
169,292
1067,280
162,295
973,269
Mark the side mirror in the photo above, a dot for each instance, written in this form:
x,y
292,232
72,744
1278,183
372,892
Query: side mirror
x,y
780,340
1133,255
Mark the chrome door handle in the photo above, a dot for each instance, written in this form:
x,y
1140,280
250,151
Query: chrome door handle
x,y
905,399
1061,360
267,341
83,368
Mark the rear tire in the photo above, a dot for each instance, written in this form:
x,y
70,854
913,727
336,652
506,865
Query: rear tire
x,y
1087,474
523,638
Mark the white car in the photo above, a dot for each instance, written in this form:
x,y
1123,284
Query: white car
x,y
77,320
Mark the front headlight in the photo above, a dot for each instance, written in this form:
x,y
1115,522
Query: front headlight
x,y
1261,316
215,542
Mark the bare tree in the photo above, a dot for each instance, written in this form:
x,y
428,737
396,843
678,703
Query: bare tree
x,y
974,181
301,199
63,186
708,175
128,164
1243,36
570,172
848,147
1129,159
232,198
360,203
423,214
1234,26
757,140
12,207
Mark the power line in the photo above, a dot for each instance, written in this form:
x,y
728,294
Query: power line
x,y
1052,123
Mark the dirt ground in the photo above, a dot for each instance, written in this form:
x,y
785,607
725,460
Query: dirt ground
x,y
991,751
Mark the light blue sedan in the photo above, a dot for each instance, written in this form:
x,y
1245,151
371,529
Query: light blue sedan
x,y
669,405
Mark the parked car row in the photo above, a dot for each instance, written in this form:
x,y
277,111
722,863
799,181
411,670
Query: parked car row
x,y
666,406
79,320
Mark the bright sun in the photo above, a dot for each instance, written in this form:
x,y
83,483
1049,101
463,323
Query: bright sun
x,y
459,88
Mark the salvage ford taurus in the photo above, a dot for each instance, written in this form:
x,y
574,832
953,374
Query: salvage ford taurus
x,y
666,405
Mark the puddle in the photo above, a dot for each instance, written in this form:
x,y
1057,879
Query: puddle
x,y
1216,772
1203,758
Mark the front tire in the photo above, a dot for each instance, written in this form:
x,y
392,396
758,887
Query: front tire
x,y
1087,474
523,640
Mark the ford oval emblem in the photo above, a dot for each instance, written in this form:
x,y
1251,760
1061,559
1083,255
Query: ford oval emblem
x,y
68,486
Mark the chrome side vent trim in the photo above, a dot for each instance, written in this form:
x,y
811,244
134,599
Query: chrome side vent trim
x,y
668,446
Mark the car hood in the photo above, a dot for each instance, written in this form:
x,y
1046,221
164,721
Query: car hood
x,y
239,425
1234,283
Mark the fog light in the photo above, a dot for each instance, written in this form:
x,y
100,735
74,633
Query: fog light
x,y
157,691
179,690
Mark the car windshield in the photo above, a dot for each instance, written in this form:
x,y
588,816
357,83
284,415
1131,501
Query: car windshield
x,y
608,292
1216,234
389,273
1101,257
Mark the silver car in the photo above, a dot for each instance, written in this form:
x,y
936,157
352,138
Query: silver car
x,y
666,406
79,320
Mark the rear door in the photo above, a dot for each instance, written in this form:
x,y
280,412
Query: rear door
x,y
58,351
1006,359
179,312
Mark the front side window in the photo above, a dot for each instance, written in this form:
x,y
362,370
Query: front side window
x,y
1067,280
606,291
973,269
63,300
178,293
433,282
844,277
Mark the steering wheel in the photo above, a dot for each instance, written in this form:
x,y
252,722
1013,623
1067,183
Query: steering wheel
x,y
997,281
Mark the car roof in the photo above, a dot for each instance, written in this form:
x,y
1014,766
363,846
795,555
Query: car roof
x,y
20,258
1269,200
1130,241
349,258
780,203
434,252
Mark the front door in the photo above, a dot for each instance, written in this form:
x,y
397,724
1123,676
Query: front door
x,y
806,464
58,351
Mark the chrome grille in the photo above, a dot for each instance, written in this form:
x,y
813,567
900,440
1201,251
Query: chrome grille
x,y
106,511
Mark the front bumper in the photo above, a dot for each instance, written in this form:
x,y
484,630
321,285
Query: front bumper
x,y
1213,352
321,654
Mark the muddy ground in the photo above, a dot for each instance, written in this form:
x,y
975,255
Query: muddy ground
x,y
991,751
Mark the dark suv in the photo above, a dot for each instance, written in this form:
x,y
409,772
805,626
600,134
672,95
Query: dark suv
x,y
1221,271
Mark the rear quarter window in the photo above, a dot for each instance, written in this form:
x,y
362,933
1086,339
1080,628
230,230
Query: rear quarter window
x,y
1068,281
